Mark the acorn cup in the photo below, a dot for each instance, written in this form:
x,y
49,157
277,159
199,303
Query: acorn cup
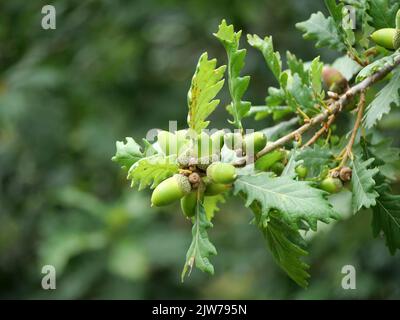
x,y
219,172
170,190
388,38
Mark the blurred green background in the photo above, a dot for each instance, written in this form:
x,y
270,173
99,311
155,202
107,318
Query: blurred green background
x,y
113,69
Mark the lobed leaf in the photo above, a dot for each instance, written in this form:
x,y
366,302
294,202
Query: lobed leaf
x,y
362,184
151,171
206,84
323,30
127,153
295,200
386,98
237,84
201,248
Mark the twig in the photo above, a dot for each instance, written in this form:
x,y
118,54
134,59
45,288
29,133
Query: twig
x,y
321,131
349,146
336,107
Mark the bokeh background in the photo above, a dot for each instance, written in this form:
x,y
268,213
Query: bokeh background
x,y
113,69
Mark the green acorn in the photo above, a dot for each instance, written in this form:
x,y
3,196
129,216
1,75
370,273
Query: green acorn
x,y
170,190
266,161
256,140
212,189
220,172
388,38
333,80
217,140
188,204
172,143
301,171
278,168
233,141
331,185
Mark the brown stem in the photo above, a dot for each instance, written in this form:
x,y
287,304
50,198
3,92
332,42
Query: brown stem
x,y
335,107
321,131
349,147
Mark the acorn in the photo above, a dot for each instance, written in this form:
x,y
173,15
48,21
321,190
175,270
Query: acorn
x,y
212,189
333,80
217,141
278,168
388,38
172,143
233,141
255,141
345,174
266,161
170,190
301,171
220,172
204,145
331,185
188,204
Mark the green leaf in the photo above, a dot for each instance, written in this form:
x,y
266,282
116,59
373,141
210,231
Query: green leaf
x,y
237,84
384,100
285,244
386,217
346,66
315,159
290,168
316,75
323,30
335,10
127,153
152,171
211,205
206,84
383,13
201,248
295,200
362,183
297,66
300,95
273,59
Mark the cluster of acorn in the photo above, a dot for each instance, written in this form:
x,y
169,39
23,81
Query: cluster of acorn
x,y
334,182
201,171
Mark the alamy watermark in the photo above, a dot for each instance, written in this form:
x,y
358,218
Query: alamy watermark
x,y
49,278
349,280
49,18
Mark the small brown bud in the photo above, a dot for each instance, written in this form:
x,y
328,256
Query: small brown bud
x,y
194,178
335,174
345,174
